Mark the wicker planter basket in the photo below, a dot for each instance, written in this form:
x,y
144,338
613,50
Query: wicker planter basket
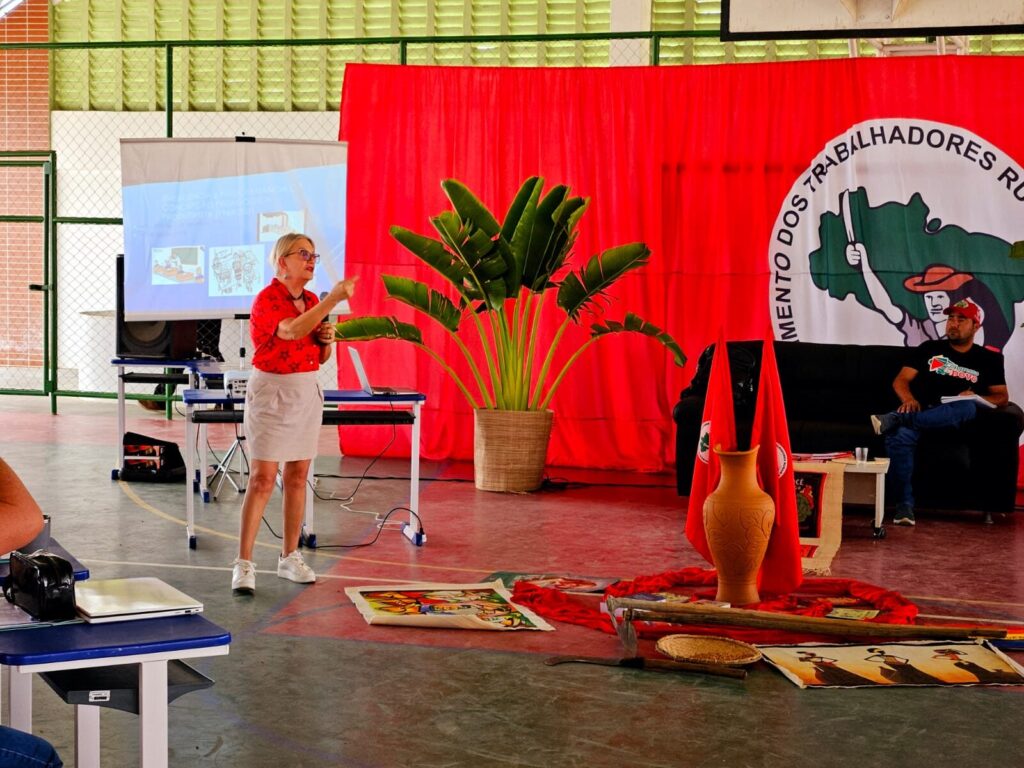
x,y
510,449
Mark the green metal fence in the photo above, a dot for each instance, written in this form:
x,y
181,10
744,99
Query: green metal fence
x,y
209,88
217,88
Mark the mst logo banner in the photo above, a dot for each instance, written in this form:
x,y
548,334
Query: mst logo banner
x,y
891,223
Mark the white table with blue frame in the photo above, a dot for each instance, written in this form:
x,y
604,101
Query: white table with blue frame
x,y
149,643
405,409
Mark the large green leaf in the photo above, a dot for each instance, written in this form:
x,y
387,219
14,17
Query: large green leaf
x,y
485,265
432,252
453,234
522,238
369,328
635,324
536,253
419,296
579,290
560,243
469,208
530,189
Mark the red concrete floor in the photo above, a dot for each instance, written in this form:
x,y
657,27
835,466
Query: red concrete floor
x,y
304,655
601,524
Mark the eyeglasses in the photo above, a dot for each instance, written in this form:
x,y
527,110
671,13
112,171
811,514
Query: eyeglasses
x,y
305,255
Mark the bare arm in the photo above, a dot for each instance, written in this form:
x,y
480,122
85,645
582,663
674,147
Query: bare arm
x,y
901,385
297,327
21,519
998,395
857,255
325,338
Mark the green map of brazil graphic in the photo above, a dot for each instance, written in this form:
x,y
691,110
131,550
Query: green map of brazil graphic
x,y
896,260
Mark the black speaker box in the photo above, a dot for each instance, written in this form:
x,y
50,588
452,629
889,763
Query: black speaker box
x,y
160,339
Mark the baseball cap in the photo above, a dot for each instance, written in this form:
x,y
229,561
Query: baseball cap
x,y
965,308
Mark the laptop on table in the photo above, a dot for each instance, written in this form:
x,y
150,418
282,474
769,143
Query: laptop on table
x,y
364,381
104,600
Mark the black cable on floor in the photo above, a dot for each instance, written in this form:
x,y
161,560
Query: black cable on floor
x,y
380,528
352,496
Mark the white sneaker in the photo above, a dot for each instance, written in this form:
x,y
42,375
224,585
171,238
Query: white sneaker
x,y
243,577
295,569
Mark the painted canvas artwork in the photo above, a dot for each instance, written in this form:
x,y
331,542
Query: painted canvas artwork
x,y
924,662
448,606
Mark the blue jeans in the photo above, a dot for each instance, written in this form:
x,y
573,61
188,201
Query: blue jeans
x,y
901,442
23,750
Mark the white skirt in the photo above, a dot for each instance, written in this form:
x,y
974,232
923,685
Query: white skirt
x,y
283,415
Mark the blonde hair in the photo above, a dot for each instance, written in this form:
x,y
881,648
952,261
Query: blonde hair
x,y
283,247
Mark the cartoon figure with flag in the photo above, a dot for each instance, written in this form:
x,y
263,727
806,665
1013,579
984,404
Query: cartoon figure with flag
x,y
919,254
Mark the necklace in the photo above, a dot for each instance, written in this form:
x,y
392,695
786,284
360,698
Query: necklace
x,y
300,297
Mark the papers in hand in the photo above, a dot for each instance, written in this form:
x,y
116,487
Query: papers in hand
x,y
976,398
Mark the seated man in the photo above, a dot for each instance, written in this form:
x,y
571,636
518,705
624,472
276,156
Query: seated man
x,y
21,519
952,366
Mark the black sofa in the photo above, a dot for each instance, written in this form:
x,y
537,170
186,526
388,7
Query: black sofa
x,y
830,391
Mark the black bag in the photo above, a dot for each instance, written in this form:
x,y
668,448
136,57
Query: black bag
x,y
151,460
43,585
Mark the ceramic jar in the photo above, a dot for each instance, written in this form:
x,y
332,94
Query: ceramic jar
x,y
738,518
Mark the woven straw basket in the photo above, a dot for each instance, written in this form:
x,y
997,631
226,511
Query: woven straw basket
x,y
509,449
708,649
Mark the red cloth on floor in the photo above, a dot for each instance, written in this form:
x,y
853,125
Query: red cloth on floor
x,y
816,597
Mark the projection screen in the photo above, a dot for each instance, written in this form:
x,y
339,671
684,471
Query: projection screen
x,y
201,217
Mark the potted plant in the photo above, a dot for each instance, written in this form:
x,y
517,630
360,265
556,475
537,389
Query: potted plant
x,y
501,276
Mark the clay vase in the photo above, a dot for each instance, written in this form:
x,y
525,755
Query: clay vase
x,y
738,518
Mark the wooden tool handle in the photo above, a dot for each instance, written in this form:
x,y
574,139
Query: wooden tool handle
x,y
689,613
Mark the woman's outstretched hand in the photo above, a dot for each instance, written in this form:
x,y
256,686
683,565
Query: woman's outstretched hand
x,y
343,289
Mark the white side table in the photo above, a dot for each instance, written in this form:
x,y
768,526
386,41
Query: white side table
x,y
859,489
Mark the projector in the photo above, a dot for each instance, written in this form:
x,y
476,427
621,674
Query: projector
x,y
235,383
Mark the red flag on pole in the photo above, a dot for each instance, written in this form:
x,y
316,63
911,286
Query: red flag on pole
x,y
781,570
718,428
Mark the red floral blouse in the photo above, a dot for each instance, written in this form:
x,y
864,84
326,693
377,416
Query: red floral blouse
x,y
274,354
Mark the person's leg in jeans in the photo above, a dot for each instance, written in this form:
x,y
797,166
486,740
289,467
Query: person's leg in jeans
x,y
901,444
23,750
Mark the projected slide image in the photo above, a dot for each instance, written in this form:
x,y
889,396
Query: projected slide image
x,y
273,224
177,264
201,217
236,270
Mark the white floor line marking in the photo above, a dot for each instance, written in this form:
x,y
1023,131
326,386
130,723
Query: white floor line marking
x,y
233,537
227,569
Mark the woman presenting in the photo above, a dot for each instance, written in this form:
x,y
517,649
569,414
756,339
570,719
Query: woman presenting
x,y
284,402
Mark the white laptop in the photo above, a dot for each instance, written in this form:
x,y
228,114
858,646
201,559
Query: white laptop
x,y
144,597
364,382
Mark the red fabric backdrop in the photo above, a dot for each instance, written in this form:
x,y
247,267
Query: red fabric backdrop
x,y
695,161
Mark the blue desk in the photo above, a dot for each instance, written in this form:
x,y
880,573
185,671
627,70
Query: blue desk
x,y
81,572
196,368
150,643
196,400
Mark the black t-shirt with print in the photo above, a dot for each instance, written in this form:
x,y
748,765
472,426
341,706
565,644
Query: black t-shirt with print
x,y
941,370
